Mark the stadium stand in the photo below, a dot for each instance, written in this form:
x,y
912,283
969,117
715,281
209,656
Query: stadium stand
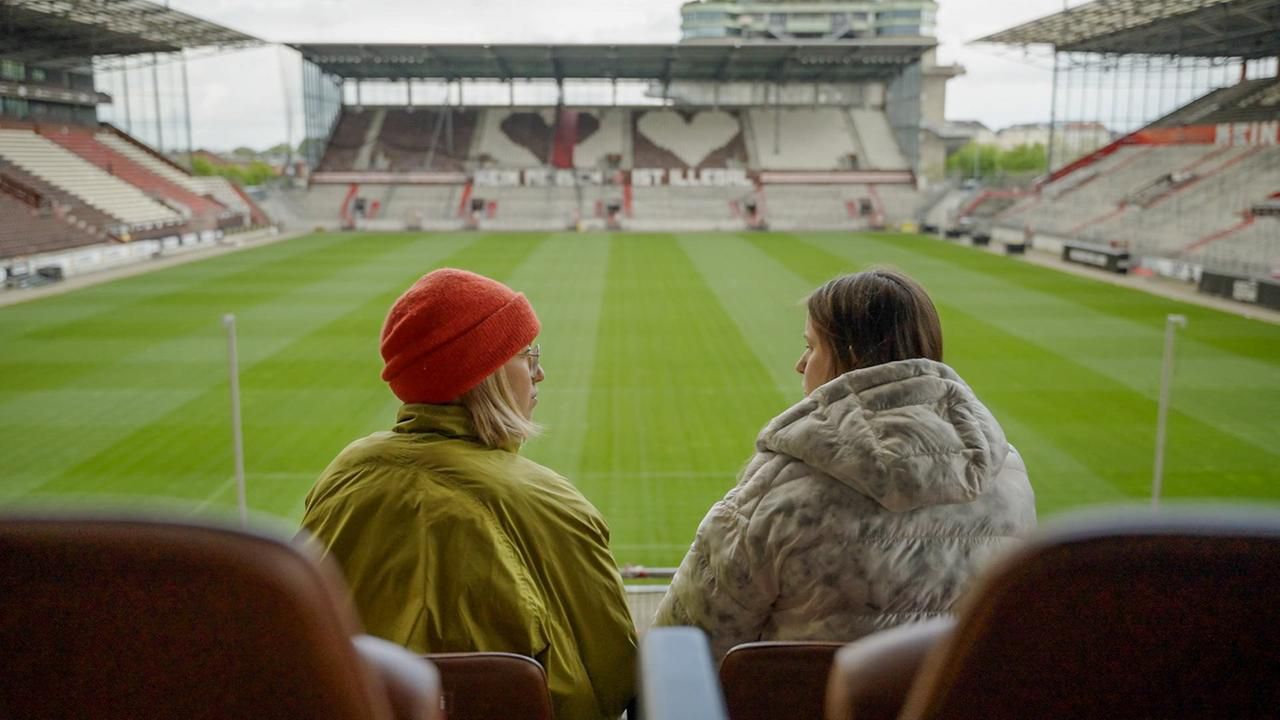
x,y
688,139
202,211
539,208
514,138
689,162
347,141
76,211
151,161
412,140
897,203
804,139
877,140
414,204
793,207
686,208
1247,101
229,196
57,165
605,146
30,229
1178,193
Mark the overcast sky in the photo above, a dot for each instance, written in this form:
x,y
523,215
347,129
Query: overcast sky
x,y
238,98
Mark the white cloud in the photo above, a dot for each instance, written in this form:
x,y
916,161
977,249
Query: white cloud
x,y
238,98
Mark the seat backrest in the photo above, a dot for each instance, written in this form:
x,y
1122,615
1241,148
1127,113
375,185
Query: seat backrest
x,y
142,618
777,680
1170,615
870,679
492,686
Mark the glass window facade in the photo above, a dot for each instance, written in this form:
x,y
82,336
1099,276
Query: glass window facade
x,y
810,19
12,70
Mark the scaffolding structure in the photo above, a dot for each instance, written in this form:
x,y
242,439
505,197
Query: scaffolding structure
x,y
137,51
1121,65
1164,133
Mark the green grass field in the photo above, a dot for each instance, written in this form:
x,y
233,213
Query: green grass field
x,y
665,354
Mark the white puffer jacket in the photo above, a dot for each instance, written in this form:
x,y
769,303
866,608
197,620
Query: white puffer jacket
x,y
869,504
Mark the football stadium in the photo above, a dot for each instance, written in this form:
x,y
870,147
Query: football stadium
x,y
185,352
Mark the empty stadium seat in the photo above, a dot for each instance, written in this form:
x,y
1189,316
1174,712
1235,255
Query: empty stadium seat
x,y
419,139
803,139
514,139
85,145
63,168
348,137
30,231
1133,615
152,162
492,685
870,679
88,216
777,680
876,138
136,618
601,134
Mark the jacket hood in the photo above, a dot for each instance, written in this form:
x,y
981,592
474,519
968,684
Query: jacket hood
x,y
907,434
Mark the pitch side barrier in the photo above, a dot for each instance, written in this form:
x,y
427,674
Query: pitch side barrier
x,y
1254,291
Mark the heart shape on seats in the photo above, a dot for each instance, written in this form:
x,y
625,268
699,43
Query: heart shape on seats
x,y
533,132
690,138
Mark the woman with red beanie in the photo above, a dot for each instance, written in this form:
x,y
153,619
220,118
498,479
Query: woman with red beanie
x,y
450,540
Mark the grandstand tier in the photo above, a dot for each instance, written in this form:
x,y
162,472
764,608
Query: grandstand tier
x,y
60,166
31,228
191,206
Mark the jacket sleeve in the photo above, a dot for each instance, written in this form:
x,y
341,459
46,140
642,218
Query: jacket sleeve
x,y
605,628
723,586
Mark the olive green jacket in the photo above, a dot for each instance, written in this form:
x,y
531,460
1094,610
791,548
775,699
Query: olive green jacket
x,y
451,546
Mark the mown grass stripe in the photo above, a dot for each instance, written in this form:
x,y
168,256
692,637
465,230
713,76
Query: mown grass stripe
x,y
676,387
764,299
565,281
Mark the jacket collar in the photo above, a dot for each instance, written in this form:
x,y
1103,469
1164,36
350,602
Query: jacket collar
x,y
451,421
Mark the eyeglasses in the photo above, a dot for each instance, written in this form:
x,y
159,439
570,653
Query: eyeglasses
x,y
532,354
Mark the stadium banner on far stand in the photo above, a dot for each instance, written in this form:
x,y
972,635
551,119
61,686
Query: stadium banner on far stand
x,y
640,177
1254,291
1098,256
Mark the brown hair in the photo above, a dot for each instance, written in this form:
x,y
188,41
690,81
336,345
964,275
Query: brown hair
x,y
875,317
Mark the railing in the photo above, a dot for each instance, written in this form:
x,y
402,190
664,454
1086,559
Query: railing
x,y
643,600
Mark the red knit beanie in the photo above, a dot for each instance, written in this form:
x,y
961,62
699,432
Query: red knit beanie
x,y
451,330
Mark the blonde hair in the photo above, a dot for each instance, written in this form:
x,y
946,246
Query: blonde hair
x,y
497,418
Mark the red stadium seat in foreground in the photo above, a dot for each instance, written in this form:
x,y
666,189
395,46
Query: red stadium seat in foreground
x,y
492,686
115,619
1150,615
777,680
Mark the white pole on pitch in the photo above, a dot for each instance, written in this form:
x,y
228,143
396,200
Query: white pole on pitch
x,y
1171,325
237,432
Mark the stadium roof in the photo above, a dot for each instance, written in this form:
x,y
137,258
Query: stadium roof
x,y
71,31
1193,28
703,61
